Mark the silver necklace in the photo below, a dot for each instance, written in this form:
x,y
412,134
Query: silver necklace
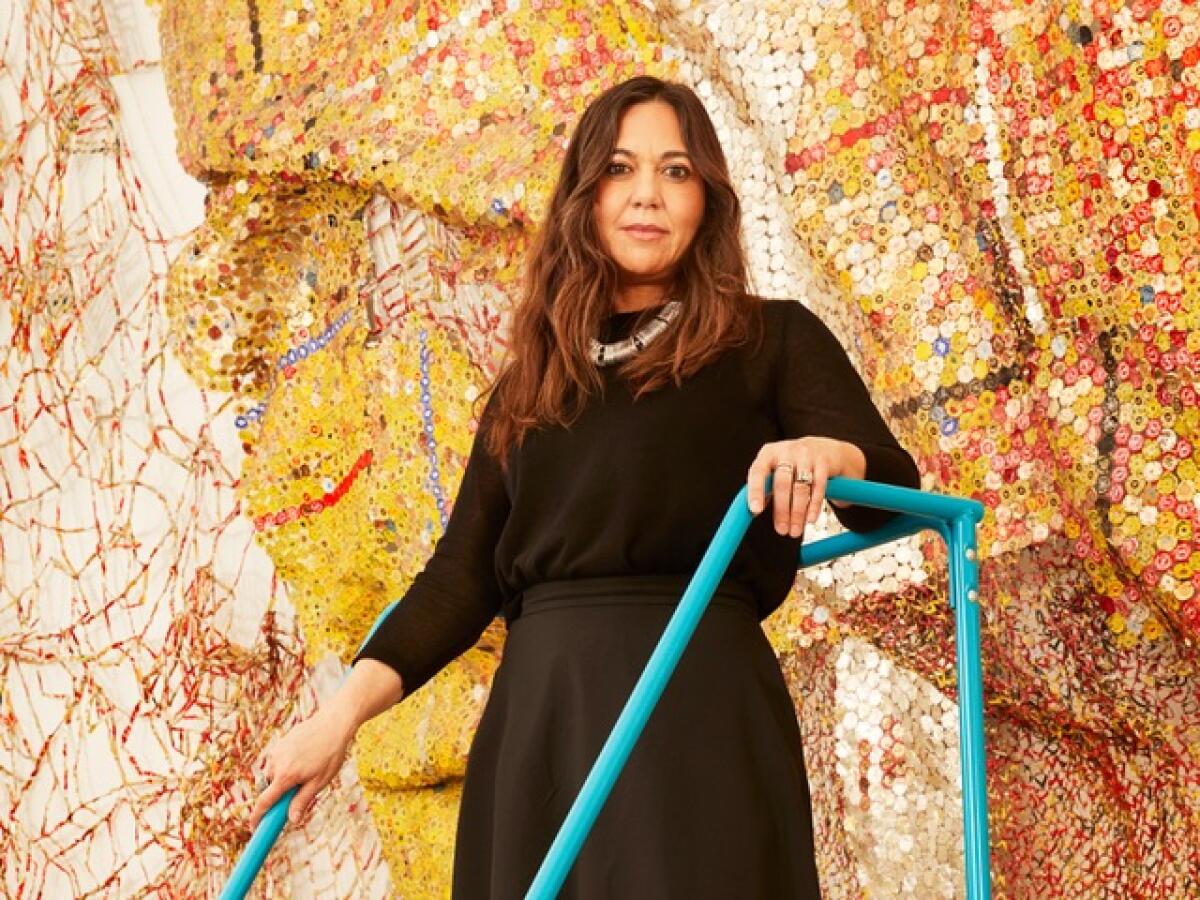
x,y
619,351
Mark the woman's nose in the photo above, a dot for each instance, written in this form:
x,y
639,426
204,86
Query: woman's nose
x,y
645,191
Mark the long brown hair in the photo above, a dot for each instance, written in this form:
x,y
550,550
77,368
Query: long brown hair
x,y
571,282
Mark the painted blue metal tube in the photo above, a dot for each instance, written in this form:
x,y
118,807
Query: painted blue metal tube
x,y
271,825
255,854
902,499
641,702
951,516
849,542
964,582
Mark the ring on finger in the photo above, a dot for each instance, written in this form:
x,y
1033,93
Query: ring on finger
x,y
804,478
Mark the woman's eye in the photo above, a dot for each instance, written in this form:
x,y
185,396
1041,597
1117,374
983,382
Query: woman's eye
x,y
675,173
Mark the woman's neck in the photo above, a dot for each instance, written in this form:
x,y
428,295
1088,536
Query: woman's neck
x,y
640,296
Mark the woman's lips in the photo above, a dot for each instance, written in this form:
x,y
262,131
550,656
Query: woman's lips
x,y
645,231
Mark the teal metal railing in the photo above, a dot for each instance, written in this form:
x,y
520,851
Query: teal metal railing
x,y
271,825
954,518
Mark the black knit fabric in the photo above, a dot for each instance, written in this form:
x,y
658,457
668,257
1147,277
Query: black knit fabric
x,y
638,488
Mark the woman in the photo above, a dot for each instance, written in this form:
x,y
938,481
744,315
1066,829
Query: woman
x,y
643,381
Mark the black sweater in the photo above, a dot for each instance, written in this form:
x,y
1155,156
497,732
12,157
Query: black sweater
x,y
639,488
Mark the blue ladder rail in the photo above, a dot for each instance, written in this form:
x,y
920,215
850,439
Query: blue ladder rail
x,y
954,518
270,826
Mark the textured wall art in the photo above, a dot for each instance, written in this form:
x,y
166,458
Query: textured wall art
x,y
231,428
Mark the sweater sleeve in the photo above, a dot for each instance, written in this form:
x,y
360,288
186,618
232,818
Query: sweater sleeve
x,y
457,594
820,393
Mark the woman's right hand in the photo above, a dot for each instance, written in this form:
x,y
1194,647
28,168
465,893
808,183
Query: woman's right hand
x,y
309,755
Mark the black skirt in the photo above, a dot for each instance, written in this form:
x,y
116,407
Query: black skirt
x,y
713,801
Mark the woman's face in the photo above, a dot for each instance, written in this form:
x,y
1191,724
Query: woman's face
x,y
650,202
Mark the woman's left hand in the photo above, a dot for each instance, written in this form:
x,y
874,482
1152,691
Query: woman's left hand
x,y
801,468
